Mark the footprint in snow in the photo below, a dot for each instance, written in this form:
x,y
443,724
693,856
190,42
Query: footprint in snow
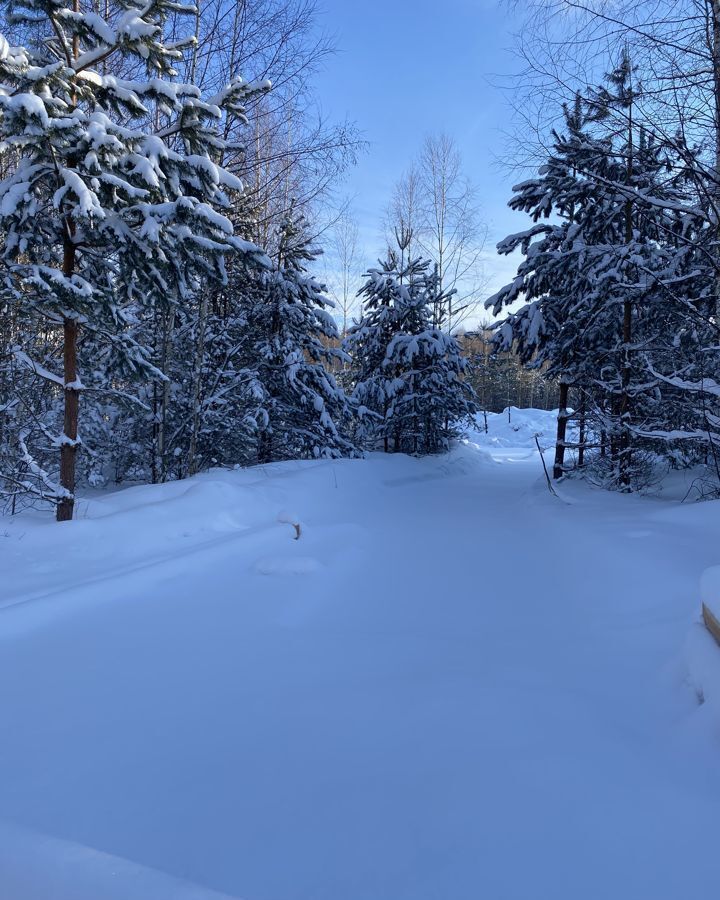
x,y
298,565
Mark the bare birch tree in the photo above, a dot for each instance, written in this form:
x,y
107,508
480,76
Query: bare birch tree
x,y
437,204
343,280
405,214
452,234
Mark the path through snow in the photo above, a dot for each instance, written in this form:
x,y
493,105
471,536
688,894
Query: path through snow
x,y
452,687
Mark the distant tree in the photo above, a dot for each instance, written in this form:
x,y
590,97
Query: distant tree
x,y
405,217
436,204
294,405
408,373
344,241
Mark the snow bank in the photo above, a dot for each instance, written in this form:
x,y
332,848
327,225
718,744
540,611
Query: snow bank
x,y
702,648
710,592
516,429
39,867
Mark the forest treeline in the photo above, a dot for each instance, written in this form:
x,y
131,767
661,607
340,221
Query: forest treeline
x,y
161,310
161,304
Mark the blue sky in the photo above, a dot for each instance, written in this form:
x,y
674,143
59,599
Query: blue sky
x,y
407,68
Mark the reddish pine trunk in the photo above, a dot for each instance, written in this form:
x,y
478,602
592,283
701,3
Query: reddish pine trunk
x,y
68,449
625,445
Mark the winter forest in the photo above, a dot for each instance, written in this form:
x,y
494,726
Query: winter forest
x,y
161,308
370,359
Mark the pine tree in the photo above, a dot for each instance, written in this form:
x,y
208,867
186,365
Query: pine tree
x,y
595,279
294,404
408,373
112,204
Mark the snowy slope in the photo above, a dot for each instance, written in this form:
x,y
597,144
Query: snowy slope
x,y
452,686
37,867
516,429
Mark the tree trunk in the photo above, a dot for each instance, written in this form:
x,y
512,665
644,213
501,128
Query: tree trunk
x,y
559,466
168,328
581,435
71,393
624,442
154,468
68,449
625,448
715,12
264,448
197,386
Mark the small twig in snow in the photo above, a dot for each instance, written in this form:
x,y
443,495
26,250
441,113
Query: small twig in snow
x,y
294,520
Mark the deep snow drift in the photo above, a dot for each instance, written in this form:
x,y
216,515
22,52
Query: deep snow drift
x,y
452,686
515,429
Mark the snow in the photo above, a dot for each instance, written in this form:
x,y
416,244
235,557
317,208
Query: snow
x,y
14,195
451,686
24,360
37,867
14,55
710,590
517,430
703,664
703,649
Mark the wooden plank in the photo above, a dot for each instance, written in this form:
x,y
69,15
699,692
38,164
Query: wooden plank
x,y
711,623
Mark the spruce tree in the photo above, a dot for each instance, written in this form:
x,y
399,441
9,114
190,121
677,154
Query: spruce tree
x,y
408,372
294,404
596,263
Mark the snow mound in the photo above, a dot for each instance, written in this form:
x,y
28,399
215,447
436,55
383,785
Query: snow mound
x,y
518,429
702,655
288,518
702,649
710,590
36,866
464,459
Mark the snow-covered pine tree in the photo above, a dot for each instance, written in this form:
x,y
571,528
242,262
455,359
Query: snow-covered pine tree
x,y
294,404
541,331
408,373
199,414
683,362
595,265
366,344
111,203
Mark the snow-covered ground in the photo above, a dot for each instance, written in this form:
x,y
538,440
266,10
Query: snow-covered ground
x,y
453,686
515,429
